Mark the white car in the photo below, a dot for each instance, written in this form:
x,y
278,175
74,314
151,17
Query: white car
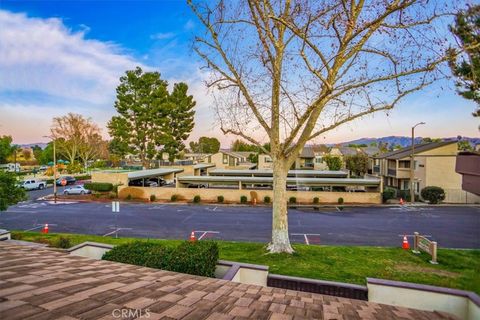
x,y
76,190
32,184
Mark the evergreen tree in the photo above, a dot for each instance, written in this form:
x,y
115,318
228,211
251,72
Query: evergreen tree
x,y
10,192
179,120
150,121
467,70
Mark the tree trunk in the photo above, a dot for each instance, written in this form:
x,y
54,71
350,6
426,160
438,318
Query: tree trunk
x,y
280,240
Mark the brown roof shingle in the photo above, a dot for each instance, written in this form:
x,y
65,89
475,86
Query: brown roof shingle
x,y
41,283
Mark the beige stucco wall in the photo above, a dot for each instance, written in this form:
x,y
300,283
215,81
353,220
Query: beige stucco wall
x,y
251,276
233,195
262,162
115,178
91,252
423,300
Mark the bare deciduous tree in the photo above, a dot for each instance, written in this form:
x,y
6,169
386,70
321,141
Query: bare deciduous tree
x,y
288,71
77,137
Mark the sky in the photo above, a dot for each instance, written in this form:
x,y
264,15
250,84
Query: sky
x,y
67,56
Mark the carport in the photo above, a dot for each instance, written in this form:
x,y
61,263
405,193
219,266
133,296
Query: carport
x,y
269,173
201,169
241,182
167,174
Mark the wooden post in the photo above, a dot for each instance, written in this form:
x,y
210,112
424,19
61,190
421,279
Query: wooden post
x,y
433,248
415,243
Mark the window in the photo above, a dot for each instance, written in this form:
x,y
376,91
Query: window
x,y
225,159
405,185
268,159
318,159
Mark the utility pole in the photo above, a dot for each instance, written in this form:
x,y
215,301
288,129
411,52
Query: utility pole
x,y
412,165
54,169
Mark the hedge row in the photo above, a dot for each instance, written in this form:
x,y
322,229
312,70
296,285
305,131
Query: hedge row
x,y
99,186
198,258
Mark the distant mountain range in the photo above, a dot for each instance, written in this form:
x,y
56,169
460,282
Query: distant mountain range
x,y
391,140
402,141
29,145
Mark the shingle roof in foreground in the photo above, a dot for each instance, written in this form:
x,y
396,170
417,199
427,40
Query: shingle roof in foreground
x,y
40,283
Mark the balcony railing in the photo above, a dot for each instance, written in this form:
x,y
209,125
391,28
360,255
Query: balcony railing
x,y
392,172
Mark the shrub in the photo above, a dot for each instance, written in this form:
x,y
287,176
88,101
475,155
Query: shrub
x,y
243,199
62,242
197,199
112,195
267,199
433,194
340,200
198,258
136,252
388,193
153,197
316,200
99,186
220,199
292,200
404,194
97,195
174,197
129,197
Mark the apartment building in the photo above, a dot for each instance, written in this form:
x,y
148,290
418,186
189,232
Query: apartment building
x,y
311,158
434,165
225,159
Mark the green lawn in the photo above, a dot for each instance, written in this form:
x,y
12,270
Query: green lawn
x,y
456,269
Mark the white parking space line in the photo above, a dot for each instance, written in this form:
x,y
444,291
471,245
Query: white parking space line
x,y
305,236
41,226
306,239
204,233
412,235
116,230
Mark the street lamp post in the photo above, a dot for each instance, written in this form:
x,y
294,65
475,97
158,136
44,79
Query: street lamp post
x,y
412,165
54,169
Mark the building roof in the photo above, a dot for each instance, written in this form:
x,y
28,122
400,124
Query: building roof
x,y
370,150
204,165
237,154
269,173
152,173
313,182
348,151
407,151
41,283
307,152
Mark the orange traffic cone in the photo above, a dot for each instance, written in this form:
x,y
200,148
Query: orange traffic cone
x,y
405,244
402,202
192,237
45,229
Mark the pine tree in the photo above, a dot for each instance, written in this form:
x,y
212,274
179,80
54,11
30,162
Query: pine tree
x,y
180,120
467,70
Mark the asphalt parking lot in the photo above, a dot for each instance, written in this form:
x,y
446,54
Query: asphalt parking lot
x,y
453,227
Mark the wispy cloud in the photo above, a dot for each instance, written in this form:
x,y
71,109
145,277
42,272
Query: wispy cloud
x,y
189,25
43,55
162,35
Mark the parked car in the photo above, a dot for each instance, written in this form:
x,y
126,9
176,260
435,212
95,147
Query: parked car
x,y
43,168
33,184
70,180
139,183
76,190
